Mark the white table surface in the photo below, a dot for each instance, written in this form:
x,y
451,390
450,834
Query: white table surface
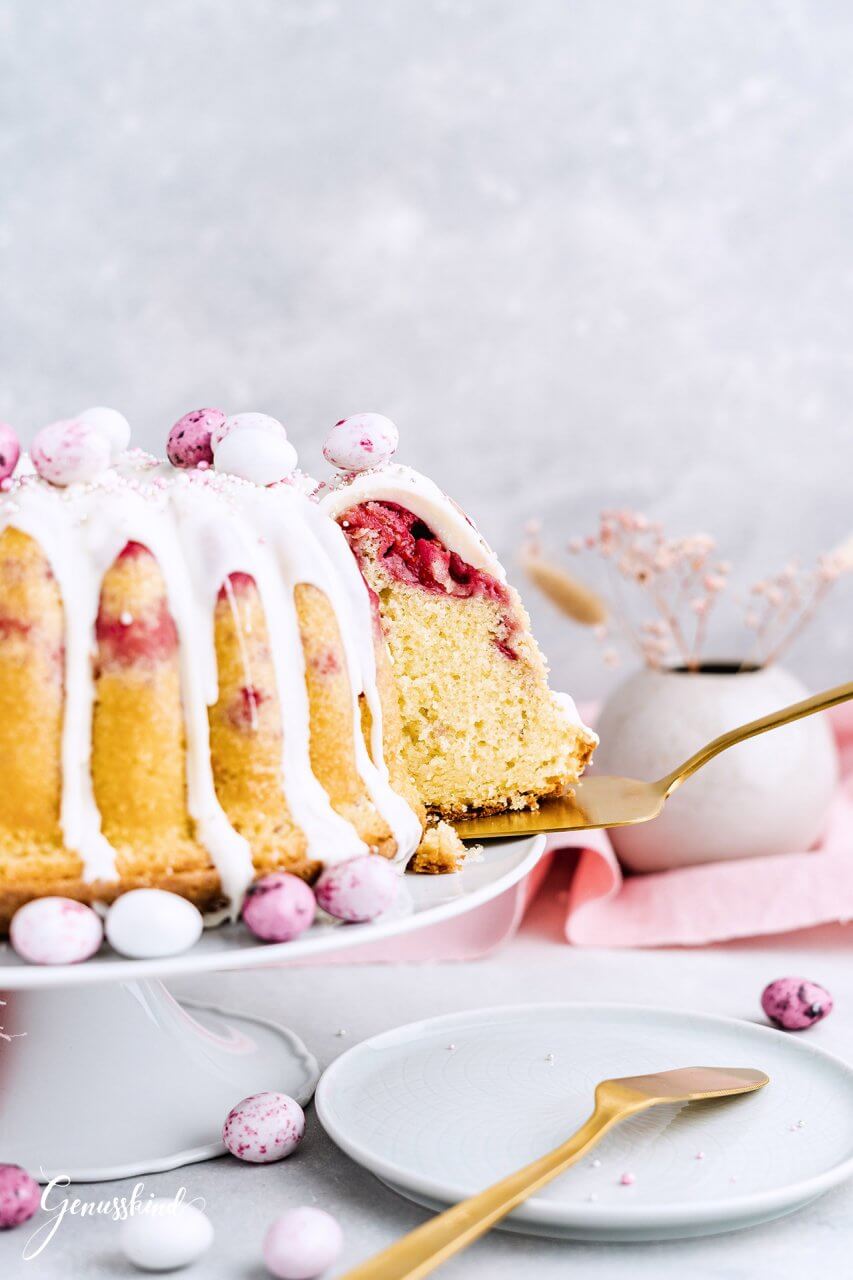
x,y
364,999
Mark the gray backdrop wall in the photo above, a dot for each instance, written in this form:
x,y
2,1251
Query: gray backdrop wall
x,y
584,252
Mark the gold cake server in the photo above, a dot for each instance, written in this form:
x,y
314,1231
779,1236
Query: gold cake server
x,y
425,1248
601,800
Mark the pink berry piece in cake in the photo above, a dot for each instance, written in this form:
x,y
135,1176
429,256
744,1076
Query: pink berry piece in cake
x,y
302,1243
278,907
794,1004
19,1196
189,439
70,452
10,450
360,442
255,447
264,1127
55,931
110,423
358,890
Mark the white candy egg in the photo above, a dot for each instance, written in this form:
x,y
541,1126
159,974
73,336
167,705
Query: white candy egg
x,y
261,421
166,1235
70,452
362,441
55,931
146,923
255,453
110,423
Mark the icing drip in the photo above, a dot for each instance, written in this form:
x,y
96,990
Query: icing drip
x,y
201,530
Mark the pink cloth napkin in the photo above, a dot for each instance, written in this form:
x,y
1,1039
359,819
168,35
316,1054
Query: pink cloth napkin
x,y
711,903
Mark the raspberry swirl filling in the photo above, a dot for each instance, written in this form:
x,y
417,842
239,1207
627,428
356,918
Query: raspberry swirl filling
x,y
412,554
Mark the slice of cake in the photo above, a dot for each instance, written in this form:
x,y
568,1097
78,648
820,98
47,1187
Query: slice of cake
x,y
481,729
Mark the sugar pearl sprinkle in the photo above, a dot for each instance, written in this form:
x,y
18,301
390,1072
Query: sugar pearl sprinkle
x,y
360,442
627,1180
264,1127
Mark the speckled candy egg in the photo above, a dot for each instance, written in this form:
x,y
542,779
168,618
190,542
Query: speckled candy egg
x,y
167,1235
19,1196
795,1003
302,1243
55,931
151,922
70,452
358,890
361,441
278,907
10,450
254,447
110,423
264,1127
189,439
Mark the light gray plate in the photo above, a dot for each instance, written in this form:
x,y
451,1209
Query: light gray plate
x,y
438,1123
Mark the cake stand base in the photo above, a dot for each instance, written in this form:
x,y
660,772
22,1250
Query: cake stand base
x,y
120,1079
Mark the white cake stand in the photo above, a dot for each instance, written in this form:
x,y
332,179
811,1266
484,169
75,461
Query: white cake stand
x,y
103,1074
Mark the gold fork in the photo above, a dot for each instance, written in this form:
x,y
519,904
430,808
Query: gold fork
x,y
603,801
425,1248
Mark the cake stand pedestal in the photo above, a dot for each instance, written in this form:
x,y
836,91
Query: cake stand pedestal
x,y
104,1075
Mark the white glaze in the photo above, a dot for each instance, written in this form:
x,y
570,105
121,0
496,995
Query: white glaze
x,y
201,528
419,494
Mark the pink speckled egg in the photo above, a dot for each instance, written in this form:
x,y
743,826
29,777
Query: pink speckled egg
x,y
278,907
795,1003
264,1127
55,931
10,450
19,1196
302,1243
189,439
70,452
361,441
360,889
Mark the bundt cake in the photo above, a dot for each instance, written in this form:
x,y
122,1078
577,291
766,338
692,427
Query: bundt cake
x,y
208,672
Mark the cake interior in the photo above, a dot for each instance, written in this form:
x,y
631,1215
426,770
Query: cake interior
x,y
481,729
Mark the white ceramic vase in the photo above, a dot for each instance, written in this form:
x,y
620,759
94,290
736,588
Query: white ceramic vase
x,y
768,795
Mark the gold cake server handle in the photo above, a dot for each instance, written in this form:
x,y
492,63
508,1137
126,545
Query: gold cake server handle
x,y
601,800
425,1248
